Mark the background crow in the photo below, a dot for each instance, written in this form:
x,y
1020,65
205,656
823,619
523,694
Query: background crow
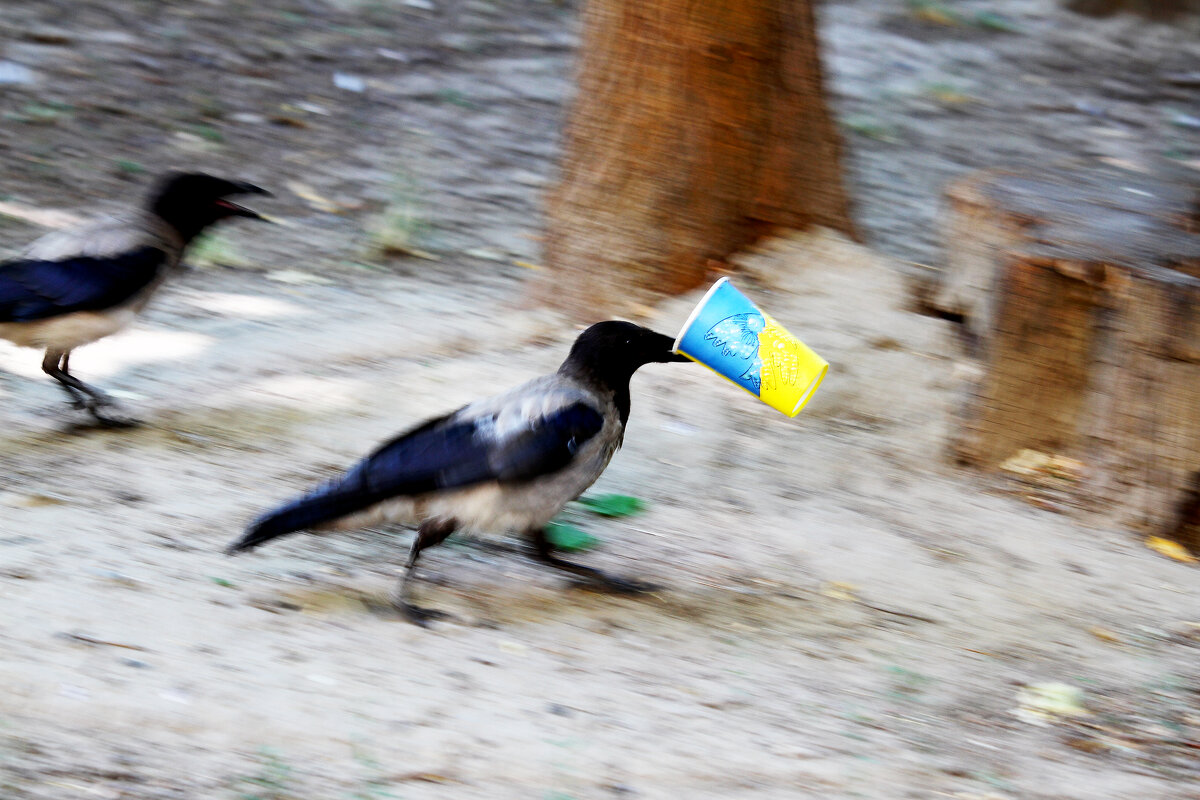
x,y
73,287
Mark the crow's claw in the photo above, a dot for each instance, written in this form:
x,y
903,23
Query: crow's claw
x,y
618,585
423,616
110,415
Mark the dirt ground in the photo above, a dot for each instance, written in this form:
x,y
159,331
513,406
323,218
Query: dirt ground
x,y
845,613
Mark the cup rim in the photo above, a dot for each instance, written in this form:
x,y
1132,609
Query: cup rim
x,y
696,312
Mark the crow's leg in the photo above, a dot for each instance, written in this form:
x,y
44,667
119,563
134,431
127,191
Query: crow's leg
x,y
56,364
69,383
430,533
615,583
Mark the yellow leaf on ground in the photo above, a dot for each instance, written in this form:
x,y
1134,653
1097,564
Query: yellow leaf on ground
x,y
1032,463
1170,549
935,15
839,590
1026,462
312,197
1041,703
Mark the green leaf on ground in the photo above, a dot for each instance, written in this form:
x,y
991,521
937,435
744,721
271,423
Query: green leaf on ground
x,y
569,538
613,505
991,21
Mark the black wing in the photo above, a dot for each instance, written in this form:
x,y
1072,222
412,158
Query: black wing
x,y
451,454
32,289
446,453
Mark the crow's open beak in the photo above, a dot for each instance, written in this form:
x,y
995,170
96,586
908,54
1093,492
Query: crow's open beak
x,y
234,210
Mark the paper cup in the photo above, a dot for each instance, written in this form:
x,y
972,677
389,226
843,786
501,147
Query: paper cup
x,y
730,335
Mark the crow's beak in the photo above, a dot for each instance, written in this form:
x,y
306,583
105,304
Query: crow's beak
x,y
663,348
250,188
234,210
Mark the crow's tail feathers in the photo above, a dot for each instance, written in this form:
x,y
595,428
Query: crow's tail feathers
x,y
326,504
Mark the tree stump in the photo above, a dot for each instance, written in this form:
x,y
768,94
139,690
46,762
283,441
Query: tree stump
x,y
1081,292
698,128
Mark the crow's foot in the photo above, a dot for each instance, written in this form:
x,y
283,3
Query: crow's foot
x,y
110,415
423,616
619,585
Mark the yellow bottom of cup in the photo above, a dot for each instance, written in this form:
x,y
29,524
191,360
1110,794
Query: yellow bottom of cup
x,y
791,371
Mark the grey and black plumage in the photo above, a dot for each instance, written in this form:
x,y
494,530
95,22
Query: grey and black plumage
x,y
508,462
73,287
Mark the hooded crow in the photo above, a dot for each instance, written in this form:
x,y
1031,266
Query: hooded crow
x,y
73,287
509,462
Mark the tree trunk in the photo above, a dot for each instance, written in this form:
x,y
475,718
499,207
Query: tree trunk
x,y
698,128
1082,291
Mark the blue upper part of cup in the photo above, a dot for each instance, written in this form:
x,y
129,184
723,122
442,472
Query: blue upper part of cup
x,y
723,334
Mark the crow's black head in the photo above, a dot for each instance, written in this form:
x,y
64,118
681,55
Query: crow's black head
x,y
192,201
608,353
623,346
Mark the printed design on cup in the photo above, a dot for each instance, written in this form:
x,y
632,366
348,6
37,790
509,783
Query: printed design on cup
x,y
738,336
780,359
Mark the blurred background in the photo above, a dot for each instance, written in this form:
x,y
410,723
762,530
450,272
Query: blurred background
x,y
966,570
